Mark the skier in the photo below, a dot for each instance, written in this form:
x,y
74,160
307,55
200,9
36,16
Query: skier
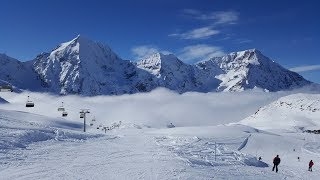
x,y
310,165
276,162
260,158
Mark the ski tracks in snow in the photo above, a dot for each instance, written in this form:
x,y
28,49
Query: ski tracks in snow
x,y
133,156
139,155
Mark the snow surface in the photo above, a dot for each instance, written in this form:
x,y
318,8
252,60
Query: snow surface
x,y
36,143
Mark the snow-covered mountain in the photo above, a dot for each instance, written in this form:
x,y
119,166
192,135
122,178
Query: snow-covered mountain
x,y
293,112
248,69
170,72
82,66
19,74
236,71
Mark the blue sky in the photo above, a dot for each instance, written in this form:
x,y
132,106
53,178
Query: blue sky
x,y
286,31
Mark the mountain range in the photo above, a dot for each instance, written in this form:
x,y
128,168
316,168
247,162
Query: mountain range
x,y
85,67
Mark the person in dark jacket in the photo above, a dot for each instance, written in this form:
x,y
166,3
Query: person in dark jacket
x,y
276,162
310,165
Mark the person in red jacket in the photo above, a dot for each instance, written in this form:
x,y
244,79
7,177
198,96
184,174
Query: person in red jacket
x,y
310,165
276,162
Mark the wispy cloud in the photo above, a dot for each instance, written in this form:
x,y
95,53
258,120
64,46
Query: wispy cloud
x,y
305,68
213,20
218,17
242,41
144,51
199,52
199,33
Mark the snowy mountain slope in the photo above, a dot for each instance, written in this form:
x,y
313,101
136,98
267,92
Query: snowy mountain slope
x,y
294,112
19,74
172,73
248,69
82,66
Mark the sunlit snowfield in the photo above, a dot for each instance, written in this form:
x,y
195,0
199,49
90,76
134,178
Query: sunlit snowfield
x,y
208,141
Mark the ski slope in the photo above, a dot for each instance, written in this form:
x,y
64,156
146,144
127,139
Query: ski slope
x,y
39,144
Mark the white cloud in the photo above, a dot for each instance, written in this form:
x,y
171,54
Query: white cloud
x,y
200,52
144,51
155,109
243,41
224,17
305,68
199,33
219,17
